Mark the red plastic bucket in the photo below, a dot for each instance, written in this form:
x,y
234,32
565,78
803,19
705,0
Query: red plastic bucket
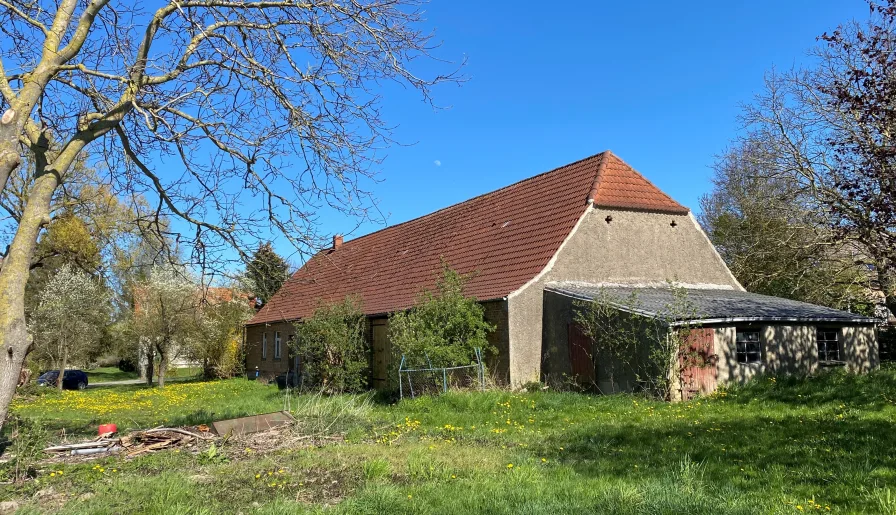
x,y
108,428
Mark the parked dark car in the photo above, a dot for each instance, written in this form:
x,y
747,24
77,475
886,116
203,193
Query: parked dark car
x,y
72,380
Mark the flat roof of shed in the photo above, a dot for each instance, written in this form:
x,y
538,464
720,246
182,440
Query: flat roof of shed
x,y
707,305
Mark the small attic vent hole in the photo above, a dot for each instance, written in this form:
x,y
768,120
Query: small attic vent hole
x,y
505,224
608,219
673,224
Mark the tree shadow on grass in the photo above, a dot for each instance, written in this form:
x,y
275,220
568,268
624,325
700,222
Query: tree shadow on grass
x,y
828,387
801,457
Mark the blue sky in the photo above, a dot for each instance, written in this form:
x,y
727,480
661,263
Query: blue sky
x,y
659,83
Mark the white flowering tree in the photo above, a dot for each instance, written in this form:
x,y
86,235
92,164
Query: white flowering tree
x,y
70,316
166,309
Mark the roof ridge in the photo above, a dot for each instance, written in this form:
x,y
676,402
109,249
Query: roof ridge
x,y
469,200
599,176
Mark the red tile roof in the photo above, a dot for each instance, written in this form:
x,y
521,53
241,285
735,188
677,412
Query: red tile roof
x,y
507,237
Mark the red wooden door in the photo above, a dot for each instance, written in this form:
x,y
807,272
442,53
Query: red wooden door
x,y
698,363
581,354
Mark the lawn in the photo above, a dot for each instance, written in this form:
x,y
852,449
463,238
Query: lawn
x,y
824,444
105,374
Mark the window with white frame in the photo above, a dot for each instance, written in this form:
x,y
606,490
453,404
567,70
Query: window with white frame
x,y
748,346
277,345
264,346
828,346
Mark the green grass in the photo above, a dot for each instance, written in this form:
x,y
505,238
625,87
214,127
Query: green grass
x,y
140,407
823,444
105,374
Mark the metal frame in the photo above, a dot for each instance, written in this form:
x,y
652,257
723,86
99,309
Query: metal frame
x,y
480,373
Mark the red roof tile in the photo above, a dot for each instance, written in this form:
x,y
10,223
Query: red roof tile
x,y
618,185
506,236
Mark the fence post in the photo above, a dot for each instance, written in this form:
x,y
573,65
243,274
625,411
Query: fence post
x,y
400,386
444,380
481,370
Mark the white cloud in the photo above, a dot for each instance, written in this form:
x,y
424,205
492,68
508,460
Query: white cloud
x,y
437,162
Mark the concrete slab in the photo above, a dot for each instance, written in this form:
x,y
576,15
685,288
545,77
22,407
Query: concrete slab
x,y
253,424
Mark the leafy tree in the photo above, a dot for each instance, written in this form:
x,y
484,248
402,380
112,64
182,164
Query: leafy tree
x,y
67,241
269,104
217,342
773,239
444,326
266,272
70,317
331,346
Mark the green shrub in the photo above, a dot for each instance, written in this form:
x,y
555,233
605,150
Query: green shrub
x,y
331,346
27,441
443,328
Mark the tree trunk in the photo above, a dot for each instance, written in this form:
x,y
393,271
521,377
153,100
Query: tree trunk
x,y
163,367
14,338
62,369
10,159
150,364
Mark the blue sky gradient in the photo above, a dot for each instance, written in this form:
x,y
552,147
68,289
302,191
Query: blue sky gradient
x,y
659,83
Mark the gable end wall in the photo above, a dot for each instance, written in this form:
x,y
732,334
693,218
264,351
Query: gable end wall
x,y
635,247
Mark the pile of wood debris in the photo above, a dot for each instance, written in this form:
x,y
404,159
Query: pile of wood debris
x,y
136,443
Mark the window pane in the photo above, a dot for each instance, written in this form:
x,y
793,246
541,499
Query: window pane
x,y
828,347
748,347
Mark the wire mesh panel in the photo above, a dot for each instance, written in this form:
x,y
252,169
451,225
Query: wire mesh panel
x,y
413,382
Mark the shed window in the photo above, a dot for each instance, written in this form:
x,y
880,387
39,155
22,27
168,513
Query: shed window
x,y
749,347
828,346
264,345
277,345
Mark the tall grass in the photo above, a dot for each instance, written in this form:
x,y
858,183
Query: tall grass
x,y
320,414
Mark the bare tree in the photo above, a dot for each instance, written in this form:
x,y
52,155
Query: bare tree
x,y
774,238
235,117
830,132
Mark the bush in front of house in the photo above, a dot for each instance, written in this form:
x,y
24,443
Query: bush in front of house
x,y
444,326
332,349
649,351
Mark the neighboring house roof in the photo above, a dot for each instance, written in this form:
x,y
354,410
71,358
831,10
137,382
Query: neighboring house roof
x,y
506,237
708,305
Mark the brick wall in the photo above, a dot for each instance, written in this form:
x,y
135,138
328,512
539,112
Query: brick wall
x,y
270,366
497,365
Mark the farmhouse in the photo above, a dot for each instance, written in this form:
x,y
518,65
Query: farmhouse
x,y
535,247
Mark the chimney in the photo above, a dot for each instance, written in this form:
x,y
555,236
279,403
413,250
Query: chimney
x,y
337,241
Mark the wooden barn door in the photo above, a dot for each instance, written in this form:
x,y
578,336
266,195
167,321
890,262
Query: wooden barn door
x,y
581,355
698,363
